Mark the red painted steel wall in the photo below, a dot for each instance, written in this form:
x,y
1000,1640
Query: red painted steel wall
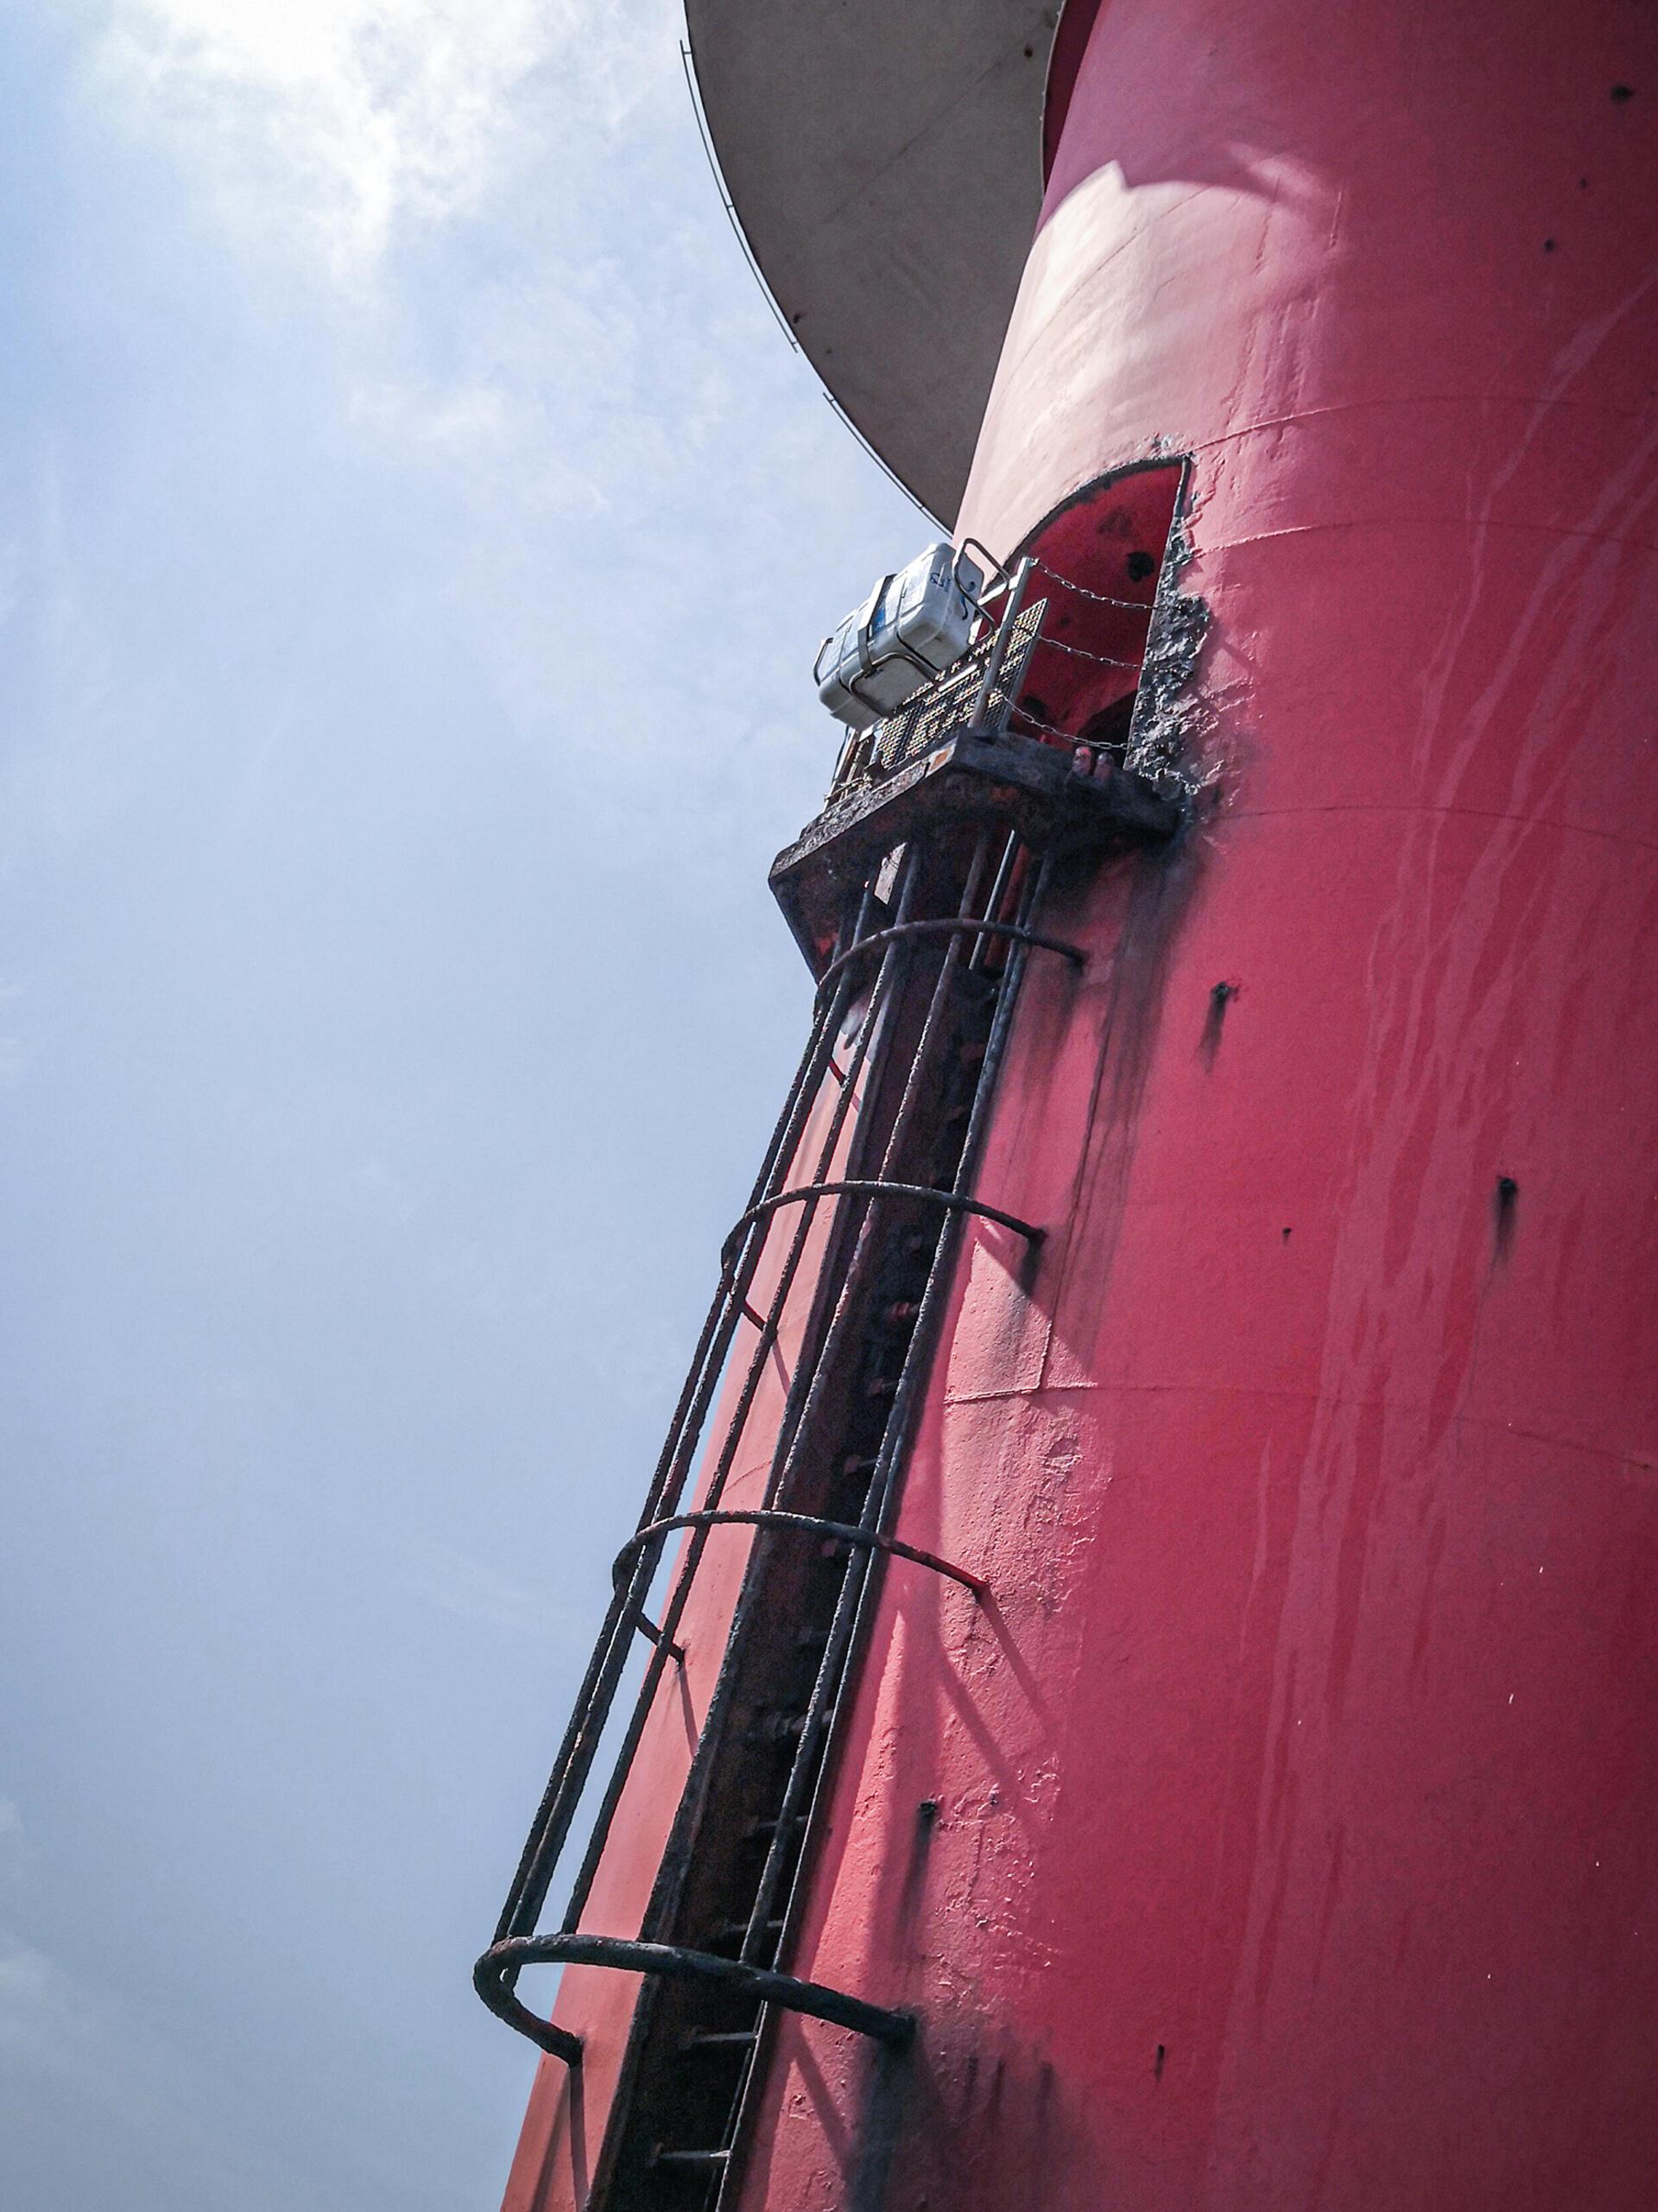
x,y
1298,1833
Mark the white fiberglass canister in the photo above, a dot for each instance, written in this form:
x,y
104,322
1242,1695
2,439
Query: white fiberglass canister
x,y
912,626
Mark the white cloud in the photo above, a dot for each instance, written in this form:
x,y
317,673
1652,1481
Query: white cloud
x,y
330,121
561,367
496,221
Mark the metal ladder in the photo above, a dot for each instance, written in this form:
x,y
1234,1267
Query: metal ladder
x,y
941,960
913,896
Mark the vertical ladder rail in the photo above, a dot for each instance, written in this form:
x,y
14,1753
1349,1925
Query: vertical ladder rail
x,y
645,1567
571,1768
811,1778
735,1870
756,1923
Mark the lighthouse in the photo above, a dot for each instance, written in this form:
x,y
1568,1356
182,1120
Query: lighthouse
x,y
1135,1680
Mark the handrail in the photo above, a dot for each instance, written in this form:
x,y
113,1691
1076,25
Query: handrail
x,y
999,650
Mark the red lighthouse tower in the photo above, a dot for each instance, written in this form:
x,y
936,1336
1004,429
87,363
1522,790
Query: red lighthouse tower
x,y
1136,1682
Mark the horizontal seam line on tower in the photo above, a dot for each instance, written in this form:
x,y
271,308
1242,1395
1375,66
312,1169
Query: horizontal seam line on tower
x,y
1468,813
1308,1398
1208,546
1533,400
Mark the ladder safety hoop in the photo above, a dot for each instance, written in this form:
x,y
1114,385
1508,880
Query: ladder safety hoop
x,y
498,1969
493,1978
870,1186
952,926
810,1523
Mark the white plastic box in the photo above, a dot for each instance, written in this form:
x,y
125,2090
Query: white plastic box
x,y
912,626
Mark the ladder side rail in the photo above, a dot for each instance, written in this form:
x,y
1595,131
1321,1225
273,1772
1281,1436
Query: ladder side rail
x,y
872,1030
838,1671
786,1456
548,1833
876,1039
785,1843
934,1030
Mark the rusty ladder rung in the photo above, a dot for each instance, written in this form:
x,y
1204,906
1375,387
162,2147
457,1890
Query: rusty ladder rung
x,y
720,2038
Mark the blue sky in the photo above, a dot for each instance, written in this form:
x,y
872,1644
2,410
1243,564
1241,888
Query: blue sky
x,y
415,533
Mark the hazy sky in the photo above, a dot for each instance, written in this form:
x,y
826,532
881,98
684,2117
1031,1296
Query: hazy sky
x,y
413,536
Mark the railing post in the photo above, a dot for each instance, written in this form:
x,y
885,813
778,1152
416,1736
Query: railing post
x,y
976,724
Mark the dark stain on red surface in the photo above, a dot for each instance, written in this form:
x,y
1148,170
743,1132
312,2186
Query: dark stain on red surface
x,y
1209,1043
914,1881
880,2123
1504,1201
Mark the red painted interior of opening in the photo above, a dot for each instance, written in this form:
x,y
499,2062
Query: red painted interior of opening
x,y
1098,561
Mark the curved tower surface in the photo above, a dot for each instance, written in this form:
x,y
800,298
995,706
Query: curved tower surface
x,y
1260,1811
